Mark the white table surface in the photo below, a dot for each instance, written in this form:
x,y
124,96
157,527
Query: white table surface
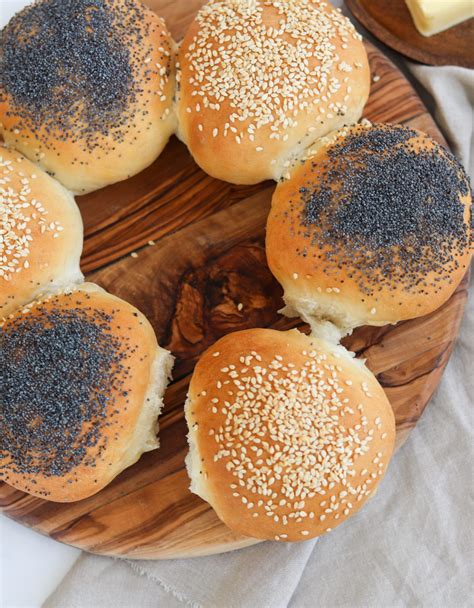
x,y
31,565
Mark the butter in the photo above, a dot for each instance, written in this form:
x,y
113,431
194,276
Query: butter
x,y
434,16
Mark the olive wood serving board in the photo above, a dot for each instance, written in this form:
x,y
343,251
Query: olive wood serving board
x,y
208,258
390,21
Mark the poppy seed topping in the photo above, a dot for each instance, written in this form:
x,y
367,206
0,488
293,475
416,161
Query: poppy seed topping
x,y
74,69
65,378
386,203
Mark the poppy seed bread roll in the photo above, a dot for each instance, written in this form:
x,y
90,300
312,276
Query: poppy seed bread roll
x,y
86,88
82,382
40,233
289,435
373,229
259,82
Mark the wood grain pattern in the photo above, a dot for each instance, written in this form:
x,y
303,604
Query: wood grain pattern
x,y
209,257
390,21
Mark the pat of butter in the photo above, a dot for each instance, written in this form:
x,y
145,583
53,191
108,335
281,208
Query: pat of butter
x,y
434,16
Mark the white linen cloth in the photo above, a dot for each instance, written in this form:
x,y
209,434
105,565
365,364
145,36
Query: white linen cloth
x,y
410,546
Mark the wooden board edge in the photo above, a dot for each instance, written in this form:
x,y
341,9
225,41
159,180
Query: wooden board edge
x,y
404,48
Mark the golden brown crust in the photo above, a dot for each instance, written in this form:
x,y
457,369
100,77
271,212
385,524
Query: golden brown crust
x,y
259,102
41,231
304,476
129,345
133,140
333,280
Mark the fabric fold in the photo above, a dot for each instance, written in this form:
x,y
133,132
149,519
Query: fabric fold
x,y
263,576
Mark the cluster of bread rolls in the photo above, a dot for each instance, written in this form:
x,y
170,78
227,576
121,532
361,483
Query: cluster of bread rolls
x,y
289,434
82,374
92,91
86,95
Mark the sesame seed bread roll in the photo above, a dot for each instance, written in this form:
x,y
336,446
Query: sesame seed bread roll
x,y
260,81
86,88
40,232
373,229
289,435
82,385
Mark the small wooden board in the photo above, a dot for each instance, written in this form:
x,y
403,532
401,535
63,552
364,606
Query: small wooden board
x,y
209,257
390,21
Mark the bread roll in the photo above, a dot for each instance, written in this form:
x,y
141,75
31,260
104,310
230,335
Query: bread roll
x,y
289,435
261,81
82,385
86,88
40,232
373,229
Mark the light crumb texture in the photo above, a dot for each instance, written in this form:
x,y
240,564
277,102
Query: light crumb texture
x,y
40,231
266,79
288,434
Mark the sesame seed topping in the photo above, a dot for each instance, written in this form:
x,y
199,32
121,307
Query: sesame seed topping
x,y
21,217
283,437
274,68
